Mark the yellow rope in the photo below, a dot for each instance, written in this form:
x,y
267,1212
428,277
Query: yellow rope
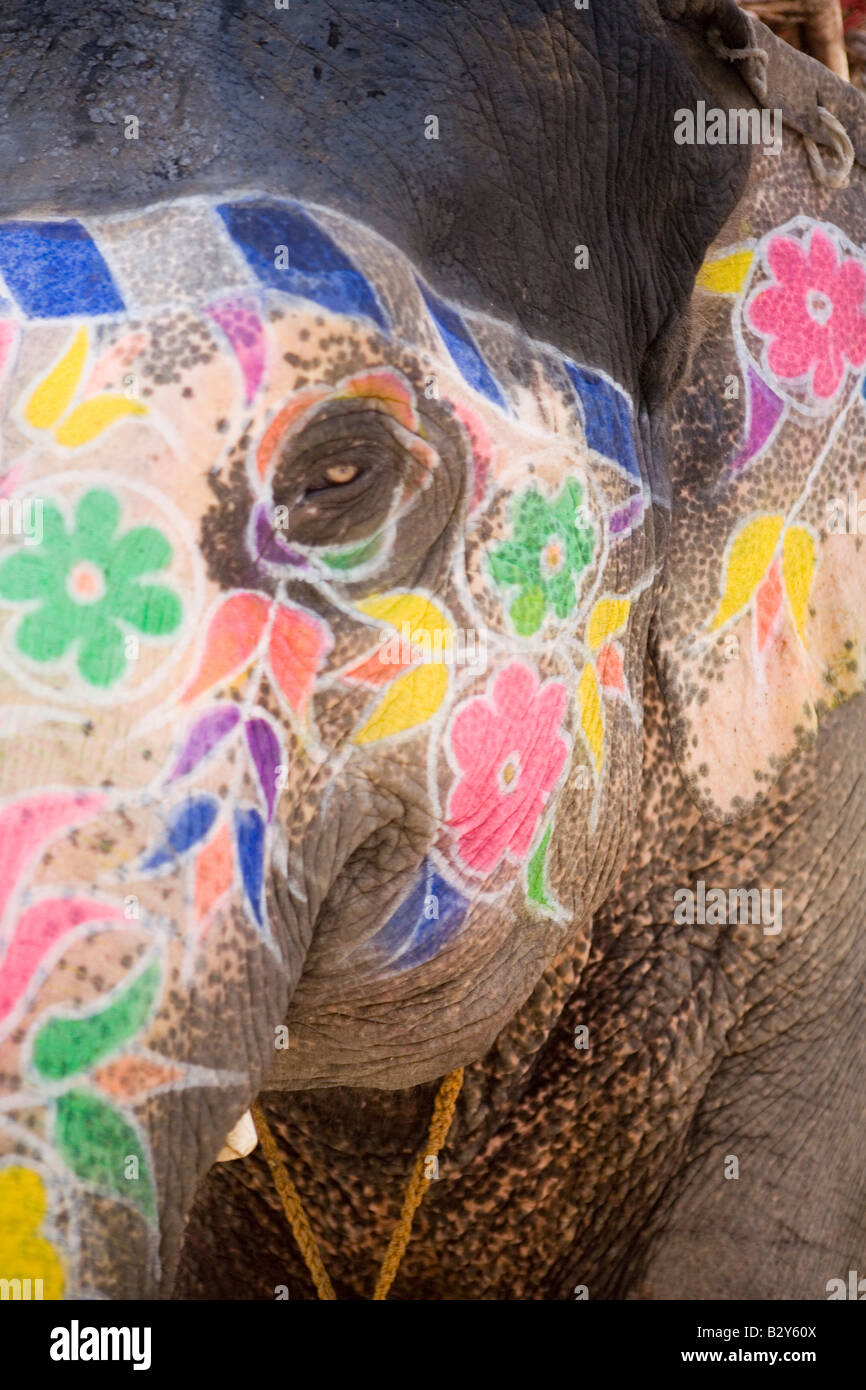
x,y
293,1207
440,1123
443,1113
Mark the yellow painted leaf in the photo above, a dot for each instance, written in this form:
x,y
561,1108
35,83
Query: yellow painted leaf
x,y
591,718
411,700
725,274
414,610
750,554
609,615
798,569
90,419
54,393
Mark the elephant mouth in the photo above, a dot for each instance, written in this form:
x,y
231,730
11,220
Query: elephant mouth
x,y
392,1004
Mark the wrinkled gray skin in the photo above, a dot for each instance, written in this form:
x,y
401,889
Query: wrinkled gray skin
x,y
607,1168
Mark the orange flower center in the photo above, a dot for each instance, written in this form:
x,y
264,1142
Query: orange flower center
x,y
508,772
553,557
85,582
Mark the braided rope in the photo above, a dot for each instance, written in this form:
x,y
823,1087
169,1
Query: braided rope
x,y
440,1123
293,1208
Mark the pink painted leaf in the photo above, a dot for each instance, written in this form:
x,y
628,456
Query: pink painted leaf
x,y
768,604
238,317
131,1078
481,446
233,637
286,419
375,668
214,876
609,668
38,929
298,643
10,481
8,334
28,824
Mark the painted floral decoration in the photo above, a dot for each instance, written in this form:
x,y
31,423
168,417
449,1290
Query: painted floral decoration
x,y
813,314
551,545
382,389
510,753
770,569
87,584
24,1253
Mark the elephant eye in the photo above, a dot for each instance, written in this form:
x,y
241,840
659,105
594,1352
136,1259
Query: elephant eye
x,y
337,476
341,473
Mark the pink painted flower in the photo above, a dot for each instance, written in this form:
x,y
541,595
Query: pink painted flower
x,y
814,312
508,747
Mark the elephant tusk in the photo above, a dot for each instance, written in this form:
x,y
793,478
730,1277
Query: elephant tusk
x,y
240,1140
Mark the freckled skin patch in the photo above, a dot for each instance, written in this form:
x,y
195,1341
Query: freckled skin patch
x,y
720,682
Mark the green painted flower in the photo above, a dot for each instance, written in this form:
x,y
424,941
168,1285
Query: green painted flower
x,y
87,584
551,545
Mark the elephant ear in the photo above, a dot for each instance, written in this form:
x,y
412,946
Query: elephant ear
x,y
761,620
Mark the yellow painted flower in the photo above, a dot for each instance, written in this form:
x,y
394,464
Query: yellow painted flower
x,y
48,406
24,1253
757,576
415,695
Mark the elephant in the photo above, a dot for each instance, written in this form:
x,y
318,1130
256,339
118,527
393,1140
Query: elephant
x,y
432,593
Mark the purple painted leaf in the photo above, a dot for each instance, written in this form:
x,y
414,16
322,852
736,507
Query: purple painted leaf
x,y
204,735
627,516
764,408
266,754
271,547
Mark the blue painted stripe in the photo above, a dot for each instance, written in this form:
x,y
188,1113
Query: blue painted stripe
x,y
462,347
318,270
607,417
54,269
413,935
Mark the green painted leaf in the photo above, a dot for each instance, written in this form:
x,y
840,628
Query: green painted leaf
x,y
511,563
102,655
102,1148
28,574
151,608
348,559
64,1046
561,593
527,611
566,503
535,889
140,551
